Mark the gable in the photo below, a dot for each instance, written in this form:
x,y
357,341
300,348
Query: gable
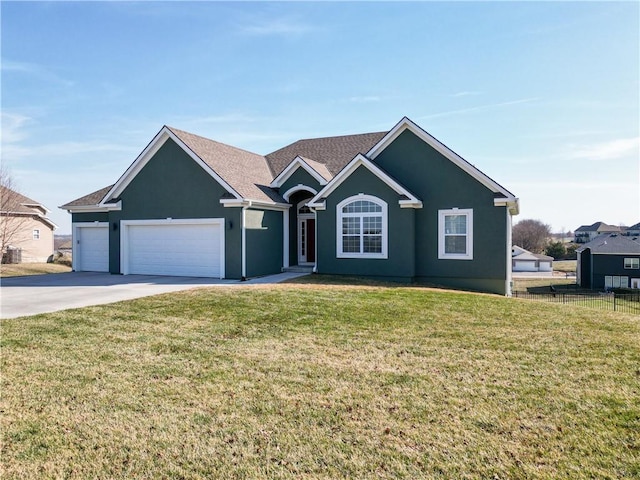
x,y
169,185
316,172
412,155
406,198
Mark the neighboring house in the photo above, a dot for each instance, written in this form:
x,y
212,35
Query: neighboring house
x,y
586,233
609,261
525,261
397,205
25,228
632,231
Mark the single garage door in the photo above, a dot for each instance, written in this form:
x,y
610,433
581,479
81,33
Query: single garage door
x,y
91,247
186,248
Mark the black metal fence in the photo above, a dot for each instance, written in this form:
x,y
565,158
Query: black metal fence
x,y
616,302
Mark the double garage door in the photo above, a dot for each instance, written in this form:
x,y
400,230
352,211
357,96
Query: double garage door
x,y
188,248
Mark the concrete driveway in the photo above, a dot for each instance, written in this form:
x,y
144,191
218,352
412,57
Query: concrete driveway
x,y
30,295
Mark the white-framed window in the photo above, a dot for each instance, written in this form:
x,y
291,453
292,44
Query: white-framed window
x,y
361,227
455,234
36,234
615,281
632,263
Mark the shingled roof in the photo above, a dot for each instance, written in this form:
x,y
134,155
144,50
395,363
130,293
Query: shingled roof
x,y
612,243
250,174
333,152
247,173
93,198
18,205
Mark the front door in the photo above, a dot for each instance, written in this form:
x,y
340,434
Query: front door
x,y
306,240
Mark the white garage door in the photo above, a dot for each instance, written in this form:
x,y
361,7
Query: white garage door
x,y
525,266
173,247
91,247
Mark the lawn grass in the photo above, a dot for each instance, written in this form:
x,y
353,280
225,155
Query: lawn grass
x,y
22,269
521,284
568,266
310,381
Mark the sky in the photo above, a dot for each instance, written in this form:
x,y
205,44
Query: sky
x,y
541,96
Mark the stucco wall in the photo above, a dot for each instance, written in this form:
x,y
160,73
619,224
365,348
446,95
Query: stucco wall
x,y
399,264
441,185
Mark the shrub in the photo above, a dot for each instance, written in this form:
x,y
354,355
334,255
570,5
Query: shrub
x,y
556,250
61,258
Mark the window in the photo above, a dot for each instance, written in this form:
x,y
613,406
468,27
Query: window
x,y
455,234
361,227
632,263
36,234
614,281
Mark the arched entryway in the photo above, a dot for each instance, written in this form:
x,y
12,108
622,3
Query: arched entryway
x,y
300,242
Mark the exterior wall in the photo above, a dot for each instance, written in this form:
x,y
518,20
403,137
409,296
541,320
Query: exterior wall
x,y
33,251
300,177
440,185
172,185
400,261
90,217
603,265
264,242
583,269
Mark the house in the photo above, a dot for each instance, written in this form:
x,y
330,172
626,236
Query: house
x,y
632,231
397,205
586,233
525,261
25,230
609,261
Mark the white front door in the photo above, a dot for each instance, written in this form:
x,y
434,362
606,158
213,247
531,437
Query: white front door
x,y
306,240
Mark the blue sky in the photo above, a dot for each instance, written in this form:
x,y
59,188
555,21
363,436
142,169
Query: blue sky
x,y
541,96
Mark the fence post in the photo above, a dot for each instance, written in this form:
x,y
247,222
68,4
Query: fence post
x,y
614,301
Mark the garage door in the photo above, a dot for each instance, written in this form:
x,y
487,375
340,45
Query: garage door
x,y
174,247
524,266
91,247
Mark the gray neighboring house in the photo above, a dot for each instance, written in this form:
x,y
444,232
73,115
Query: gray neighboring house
x,y
609,261
396,205
525,261
586,233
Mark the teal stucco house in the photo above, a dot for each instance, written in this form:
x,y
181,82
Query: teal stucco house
x,y
397,205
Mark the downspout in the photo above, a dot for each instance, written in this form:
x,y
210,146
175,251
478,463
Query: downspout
x,y
315,233
285,239
243,245
509,280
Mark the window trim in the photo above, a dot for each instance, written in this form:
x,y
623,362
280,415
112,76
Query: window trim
x,y
385,230
36,234
632,261
442,214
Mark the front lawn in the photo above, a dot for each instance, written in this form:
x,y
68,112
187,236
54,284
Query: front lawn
x,y
21,269
311,381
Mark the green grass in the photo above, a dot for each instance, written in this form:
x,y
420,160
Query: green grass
x,y
311,381
22,269
568,266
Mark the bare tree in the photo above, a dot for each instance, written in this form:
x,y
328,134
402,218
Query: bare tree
x,y
532,235
13,215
